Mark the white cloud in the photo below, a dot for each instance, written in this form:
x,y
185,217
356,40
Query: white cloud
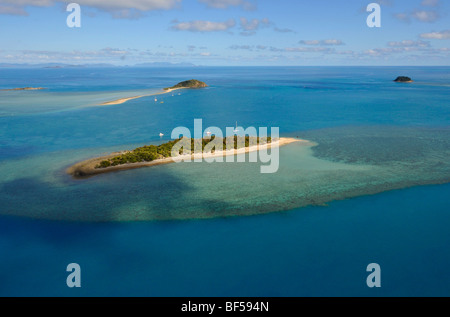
x,y
129,14
224,4
250,27
322,42
12,10
309,49
430,3
114,51
310,42
402,17
284,30
316,49
203,26
105,55
17,7
388,3
40,3
419,15
405,51
33,56
142,5
443,35
254,24
409,43
389,50
118,8
257,48
332,42
425,16
241,47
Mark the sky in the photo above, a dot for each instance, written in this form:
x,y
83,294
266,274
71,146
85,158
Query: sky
x,y
227,32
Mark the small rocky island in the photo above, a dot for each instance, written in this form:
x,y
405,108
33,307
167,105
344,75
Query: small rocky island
x,y
403,79
193,83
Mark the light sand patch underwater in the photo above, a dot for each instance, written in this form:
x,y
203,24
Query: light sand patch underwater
x,y
347,162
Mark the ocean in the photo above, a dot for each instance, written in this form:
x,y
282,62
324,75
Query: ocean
x,y
374,188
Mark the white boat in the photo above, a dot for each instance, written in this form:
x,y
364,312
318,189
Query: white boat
x,y
161,134
208,133
236,130
156,100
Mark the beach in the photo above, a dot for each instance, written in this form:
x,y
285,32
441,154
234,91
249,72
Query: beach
x,y
88,167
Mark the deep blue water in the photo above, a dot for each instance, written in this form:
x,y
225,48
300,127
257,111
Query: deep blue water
x,y
311,251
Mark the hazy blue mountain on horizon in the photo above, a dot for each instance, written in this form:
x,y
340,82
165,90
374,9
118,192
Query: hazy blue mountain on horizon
x,y
99,65
164,64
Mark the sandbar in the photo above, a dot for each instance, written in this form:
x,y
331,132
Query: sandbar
x,y
123,100
24,88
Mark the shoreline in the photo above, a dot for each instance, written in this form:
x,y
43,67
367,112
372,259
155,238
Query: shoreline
x,y
123,100
88,168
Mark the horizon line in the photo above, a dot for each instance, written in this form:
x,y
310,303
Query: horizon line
x,y
63,65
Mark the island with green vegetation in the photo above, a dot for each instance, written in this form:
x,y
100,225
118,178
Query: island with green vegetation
x,y
151,155
193,84
403,79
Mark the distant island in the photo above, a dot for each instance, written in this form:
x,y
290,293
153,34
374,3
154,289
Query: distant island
x,y
24,88
152,155
188,84
97,65
193,84
403,79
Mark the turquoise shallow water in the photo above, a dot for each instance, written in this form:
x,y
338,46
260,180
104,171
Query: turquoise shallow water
x,y
373,136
